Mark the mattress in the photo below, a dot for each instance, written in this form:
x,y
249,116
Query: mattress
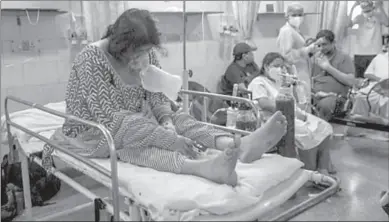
x,y
164,192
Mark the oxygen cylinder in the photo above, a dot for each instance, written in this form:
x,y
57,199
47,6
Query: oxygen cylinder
x,y
286,104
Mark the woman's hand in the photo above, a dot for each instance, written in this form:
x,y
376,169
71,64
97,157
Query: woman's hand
x,y
242,87
184,146
169,126
301,115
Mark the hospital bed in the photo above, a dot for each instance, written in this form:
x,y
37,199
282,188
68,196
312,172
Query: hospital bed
x,y
152,195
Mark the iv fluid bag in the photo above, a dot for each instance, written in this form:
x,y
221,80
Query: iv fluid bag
x,y
301,93
156,80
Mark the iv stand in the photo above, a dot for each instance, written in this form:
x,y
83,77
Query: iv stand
x,y
185,74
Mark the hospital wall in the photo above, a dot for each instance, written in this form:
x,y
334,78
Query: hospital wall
x,y
40,73
36,59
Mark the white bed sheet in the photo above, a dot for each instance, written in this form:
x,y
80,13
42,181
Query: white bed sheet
x,y
162,191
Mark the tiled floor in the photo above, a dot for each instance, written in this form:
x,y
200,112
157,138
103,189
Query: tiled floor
x,y
363,167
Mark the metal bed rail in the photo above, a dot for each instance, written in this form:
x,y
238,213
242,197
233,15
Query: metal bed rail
x,y
227,98
332,186
137,212
113,175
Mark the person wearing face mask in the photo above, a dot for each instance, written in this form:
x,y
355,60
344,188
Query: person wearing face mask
x,y
312,133
333,75
241,71
293,47
369,33
110,84
377,71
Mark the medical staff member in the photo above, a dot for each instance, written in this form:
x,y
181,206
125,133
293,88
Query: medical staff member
x,y
292,45
369,33
241,71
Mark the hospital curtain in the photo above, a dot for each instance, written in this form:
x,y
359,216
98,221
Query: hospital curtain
x,y
227,38
333,16
245,14
99,14
280,6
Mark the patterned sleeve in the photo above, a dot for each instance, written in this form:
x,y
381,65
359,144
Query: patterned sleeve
x,y
160,105
96,90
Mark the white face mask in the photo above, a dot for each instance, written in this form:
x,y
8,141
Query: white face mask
x,y
275,73
296,21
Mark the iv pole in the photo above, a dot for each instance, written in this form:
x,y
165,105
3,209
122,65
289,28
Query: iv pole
x,y
185,76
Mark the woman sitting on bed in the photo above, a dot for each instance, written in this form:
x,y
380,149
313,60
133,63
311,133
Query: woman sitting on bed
x,y
312,133
105,86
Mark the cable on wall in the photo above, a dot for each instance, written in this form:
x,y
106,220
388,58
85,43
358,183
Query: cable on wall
x,y
37,17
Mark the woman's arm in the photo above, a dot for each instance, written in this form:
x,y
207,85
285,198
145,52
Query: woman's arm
x,y
100,99
267,104
160,106
260,94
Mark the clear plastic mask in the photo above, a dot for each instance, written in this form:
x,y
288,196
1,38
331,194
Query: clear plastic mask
x,y
156,80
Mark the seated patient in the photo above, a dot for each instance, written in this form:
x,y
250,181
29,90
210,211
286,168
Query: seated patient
x,y
333,75
241,71
379,66
379,105
312,133
102,89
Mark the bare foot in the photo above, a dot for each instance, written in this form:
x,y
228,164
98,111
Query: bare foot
x,y
222,168
263,139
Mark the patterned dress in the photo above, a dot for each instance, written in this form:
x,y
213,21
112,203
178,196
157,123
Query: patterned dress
x,y
96,93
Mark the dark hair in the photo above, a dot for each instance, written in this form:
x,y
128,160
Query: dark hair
x,y
133,29
327,34
269,58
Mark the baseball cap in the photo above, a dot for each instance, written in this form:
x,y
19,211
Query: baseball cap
x,y
242,48
367,5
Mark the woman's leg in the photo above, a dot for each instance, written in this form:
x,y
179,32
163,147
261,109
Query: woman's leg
x,y
325,164
252,147
309,158
139,150
220,168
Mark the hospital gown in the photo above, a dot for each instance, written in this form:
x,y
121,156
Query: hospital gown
x,y
130,113
309,134
290,42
